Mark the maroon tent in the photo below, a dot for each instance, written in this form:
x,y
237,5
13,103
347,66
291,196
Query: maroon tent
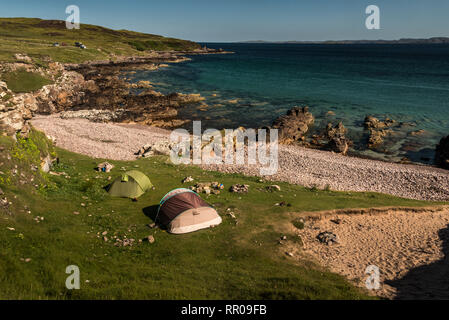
x,y
182,211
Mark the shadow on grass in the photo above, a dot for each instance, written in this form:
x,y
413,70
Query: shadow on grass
x,y
426,282
151,212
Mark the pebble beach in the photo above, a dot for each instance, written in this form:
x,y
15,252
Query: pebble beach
x,y
297,165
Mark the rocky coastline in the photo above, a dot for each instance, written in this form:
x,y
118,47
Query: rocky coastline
x,y
294,129
100,92
97,90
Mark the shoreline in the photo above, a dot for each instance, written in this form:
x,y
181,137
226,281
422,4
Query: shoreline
x,y
297,165
102,89
381,143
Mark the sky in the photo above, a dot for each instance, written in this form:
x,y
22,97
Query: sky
x,y
242,20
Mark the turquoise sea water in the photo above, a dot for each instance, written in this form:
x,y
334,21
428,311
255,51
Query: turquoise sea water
x,y
408,83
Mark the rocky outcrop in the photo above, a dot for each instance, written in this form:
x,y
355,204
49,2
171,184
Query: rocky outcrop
x,y
16,109
377,130
97,88
68,91
442,153
147,107
294,125
375,124
337,138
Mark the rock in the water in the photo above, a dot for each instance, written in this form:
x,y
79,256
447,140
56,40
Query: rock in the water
x,y
327,237
418,132
374,123
442,153
377,130
294,125
337,139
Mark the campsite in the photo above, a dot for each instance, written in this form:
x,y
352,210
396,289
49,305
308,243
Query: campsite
x,y
345,198
83,225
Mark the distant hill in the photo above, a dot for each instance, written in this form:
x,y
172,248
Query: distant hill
x,y
434,40
36,36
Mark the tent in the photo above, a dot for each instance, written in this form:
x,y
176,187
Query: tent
x,y
182,211
131,184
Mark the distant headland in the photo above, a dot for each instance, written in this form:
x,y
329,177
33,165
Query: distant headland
x,y
434,40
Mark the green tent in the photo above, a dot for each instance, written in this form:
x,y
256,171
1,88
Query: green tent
x,y
131,184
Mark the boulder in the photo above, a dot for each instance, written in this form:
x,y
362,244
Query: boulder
x,y
46,164
374,123
376,137
294,125
151,239
442,153
377,130
337,139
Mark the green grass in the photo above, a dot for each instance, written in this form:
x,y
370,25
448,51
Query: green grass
x,y
231,261
24,81
35,38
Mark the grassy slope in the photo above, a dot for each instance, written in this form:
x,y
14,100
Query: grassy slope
x,y
231,261
23,81
35,37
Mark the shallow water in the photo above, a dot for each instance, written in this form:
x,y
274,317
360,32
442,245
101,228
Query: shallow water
x,y
408,83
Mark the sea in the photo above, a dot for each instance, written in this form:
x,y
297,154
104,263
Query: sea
x,y
261,81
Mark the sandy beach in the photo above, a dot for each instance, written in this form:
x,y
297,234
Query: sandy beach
x,y
297,165
408,246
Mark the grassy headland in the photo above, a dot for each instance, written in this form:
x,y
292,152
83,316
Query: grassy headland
x,y
35,37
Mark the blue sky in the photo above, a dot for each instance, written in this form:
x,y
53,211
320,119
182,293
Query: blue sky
x,y
241,20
